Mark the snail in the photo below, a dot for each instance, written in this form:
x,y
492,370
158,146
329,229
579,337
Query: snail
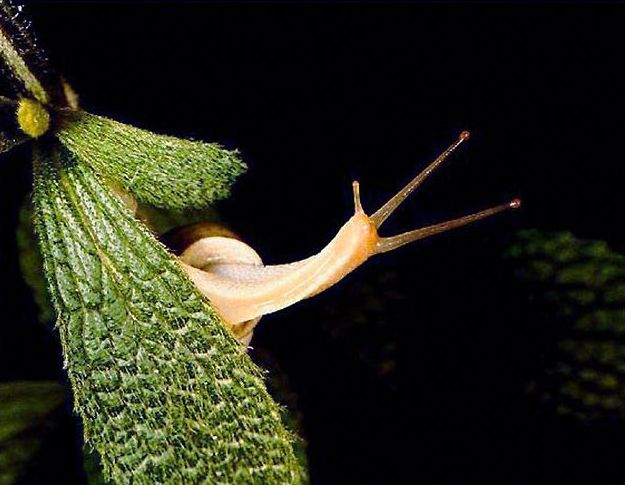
x,y
231,274
233,277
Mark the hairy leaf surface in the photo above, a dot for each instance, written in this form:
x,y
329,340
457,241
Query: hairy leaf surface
x,y
166,394
159,170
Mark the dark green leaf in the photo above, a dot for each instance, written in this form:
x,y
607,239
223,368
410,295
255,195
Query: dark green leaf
x,y
167,395
159,170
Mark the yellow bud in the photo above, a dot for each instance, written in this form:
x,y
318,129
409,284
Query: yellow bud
x,y
32,118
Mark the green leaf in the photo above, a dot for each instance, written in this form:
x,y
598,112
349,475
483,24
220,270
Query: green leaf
x,y
17,47
159,170
576,288
25,415
27,71
31,262
167,395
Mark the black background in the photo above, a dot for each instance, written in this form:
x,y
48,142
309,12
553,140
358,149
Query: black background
x,y
315,96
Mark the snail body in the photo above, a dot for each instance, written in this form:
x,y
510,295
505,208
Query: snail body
x,y
233,277
231,274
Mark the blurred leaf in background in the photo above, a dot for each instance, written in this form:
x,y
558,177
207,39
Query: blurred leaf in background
x,y
93,467
27,414
281,389
365,323
362,325
31,263
577,290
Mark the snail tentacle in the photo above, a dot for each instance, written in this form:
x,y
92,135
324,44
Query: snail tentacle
x,y
232,276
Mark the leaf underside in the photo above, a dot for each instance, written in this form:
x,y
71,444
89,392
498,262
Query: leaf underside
x,y
160,170
166,394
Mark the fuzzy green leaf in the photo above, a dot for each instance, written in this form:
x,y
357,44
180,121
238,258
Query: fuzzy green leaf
x,y
166,394
159,170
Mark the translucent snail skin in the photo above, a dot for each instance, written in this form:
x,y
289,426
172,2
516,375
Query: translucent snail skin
x,y
232,275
